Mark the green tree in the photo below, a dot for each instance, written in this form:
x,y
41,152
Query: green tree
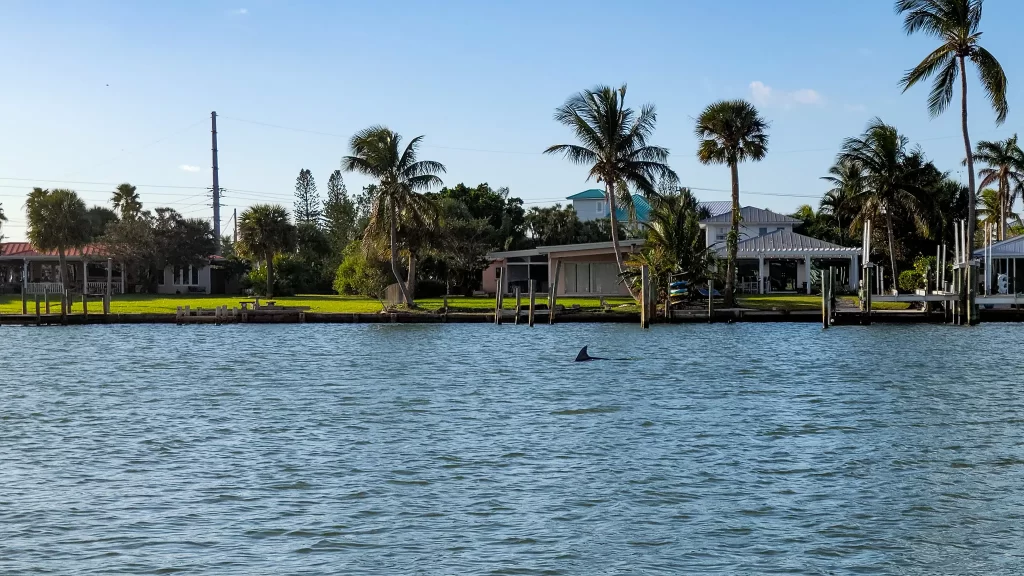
x,y
675,244
3,218
503,213
613,142
339,214
837,205
57,220
956,24
891,175
360,273
126,201
1004,162
99,219
265,230
992,210
730,132
307,201
377,152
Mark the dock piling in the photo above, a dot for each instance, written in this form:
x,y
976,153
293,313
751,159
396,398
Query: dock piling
x,y
519,305
645,297
553,296
533,302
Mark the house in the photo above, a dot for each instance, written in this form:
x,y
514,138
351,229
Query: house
x,y
1001,260
592,205
754,222
584,269
22,267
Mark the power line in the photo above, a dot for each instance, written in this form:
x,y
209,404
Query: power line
x,y
143,147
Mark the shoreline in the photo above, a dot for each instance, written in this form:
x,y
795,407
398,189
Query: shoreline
x,y
292,317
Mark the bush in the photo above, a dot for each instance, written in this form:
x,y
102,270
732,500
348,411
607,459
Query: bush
x,y
911,280
256,280
430,289
359,275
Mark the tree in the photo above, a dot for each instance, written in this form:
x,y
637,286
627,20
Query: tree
x,y
1004,162
613,142
99,218
837,205
730,132
57,220
126,201
675,243
504,214
956,24
307,201
890,174
376,152
360,273
992,210
3,218
265,230
339,213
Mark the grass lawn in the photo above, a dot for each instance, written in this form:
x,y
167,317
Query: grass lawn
x,y
156,303
805,302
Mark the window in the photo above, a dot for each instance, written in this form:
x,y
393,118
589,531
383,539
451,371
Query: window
x,y
600,208
720,234
195,275
780,229
186,276
160,277
762,231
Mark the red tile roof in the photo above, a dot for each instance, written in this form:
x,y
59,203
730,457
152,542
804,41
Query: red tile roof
x,y
25,250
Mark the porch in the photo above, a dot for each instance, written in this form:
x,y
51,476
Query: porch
x,y
787,262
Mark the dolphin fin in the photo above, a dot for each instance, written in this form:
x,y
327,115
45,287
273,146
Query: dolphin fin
x,y
583,356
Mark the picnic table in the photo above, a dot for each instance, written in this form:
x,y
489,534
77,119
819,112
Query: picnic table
x,y
245,304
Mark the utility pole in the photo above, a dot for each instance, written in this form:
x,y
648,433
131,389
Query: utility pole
x,y
234,220
216,184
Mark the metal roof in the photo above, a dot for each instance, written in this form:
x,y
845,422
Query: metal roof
x,y
21,250
592,194
751,215
1009,248
717,207
783,241
624,243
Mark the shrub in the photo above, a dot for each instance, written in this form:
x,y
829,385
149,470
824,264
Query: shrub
x,y
359,275
911,280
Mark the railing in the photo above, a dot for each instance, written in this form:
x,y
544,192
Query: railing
x,y
43,288
101,287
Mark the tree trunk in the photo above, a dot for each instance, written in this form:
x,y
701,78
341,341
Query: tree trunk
x,y
892,248
394,259
270,274
411,283
609,190
972,218
1004,195
65,301
733,240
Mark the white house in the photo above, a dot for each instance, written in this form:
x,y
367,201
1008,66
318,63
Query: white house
x,y
754,222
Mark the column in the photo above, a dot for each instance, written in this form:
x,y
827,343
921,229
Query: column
x,y
854,272
85,276
807,272
24,274
760,273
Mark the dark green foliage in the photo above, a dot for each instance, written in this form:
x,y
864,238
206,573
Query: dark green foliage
x,y
555,225
911,280
339,216
307,201
99,218
360,274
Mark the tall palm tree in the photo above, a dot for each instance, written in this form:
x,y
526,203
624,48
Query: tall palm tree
x,y
955,23
730,132
265,230
377,152
126,201
613,142
57,220
1004,162
992,210
889,174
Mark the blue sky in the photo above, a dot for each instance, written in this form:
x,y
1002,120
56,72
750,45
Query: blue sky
x,y
103,92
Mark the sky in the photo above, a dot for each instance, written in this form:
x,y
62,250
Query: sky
x,y
97,93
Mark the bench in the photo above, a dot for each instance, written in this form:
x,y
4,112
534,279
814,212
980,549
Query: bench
x,y
245,304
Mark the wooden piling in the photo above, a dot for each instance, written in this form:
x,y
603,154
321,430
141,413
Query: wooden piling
x,y
46,301
711,301
645,296
110,282
533,301
37,308
85,305
519,304
553,296
497,298
24,301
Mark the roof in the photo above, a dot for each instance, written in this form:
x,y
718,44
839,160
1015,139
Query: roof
x,y
717,207
751,215
624,243
592,194
1009,248
784,241
640,205
25,250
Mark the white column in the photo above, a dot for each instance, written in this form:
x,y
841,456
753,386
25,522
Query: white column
x,y
760,273
854,272
807,272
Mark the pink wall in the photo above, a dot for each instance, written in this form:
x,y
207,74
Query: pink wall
x,y
490,284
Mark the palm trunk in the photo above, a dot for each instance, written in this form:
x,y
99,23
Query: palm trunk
x,y
892,247
1004,195
971,206
411,283
394,258
65,300
609,190
270,274
733,241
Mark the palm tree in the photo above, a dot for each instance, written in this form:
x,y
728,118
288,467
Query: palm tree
x,y
955,23
1004,162
847,182
265,230
889,172
992,210
613,142
730,132
377,152
3,218
57,220
126,201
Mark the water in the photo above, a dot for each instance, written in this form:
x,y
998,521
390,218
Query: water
x,y
465,449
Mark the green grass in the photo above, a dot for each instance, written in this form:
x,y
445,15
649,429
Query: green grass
x,y
161,303
806,302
